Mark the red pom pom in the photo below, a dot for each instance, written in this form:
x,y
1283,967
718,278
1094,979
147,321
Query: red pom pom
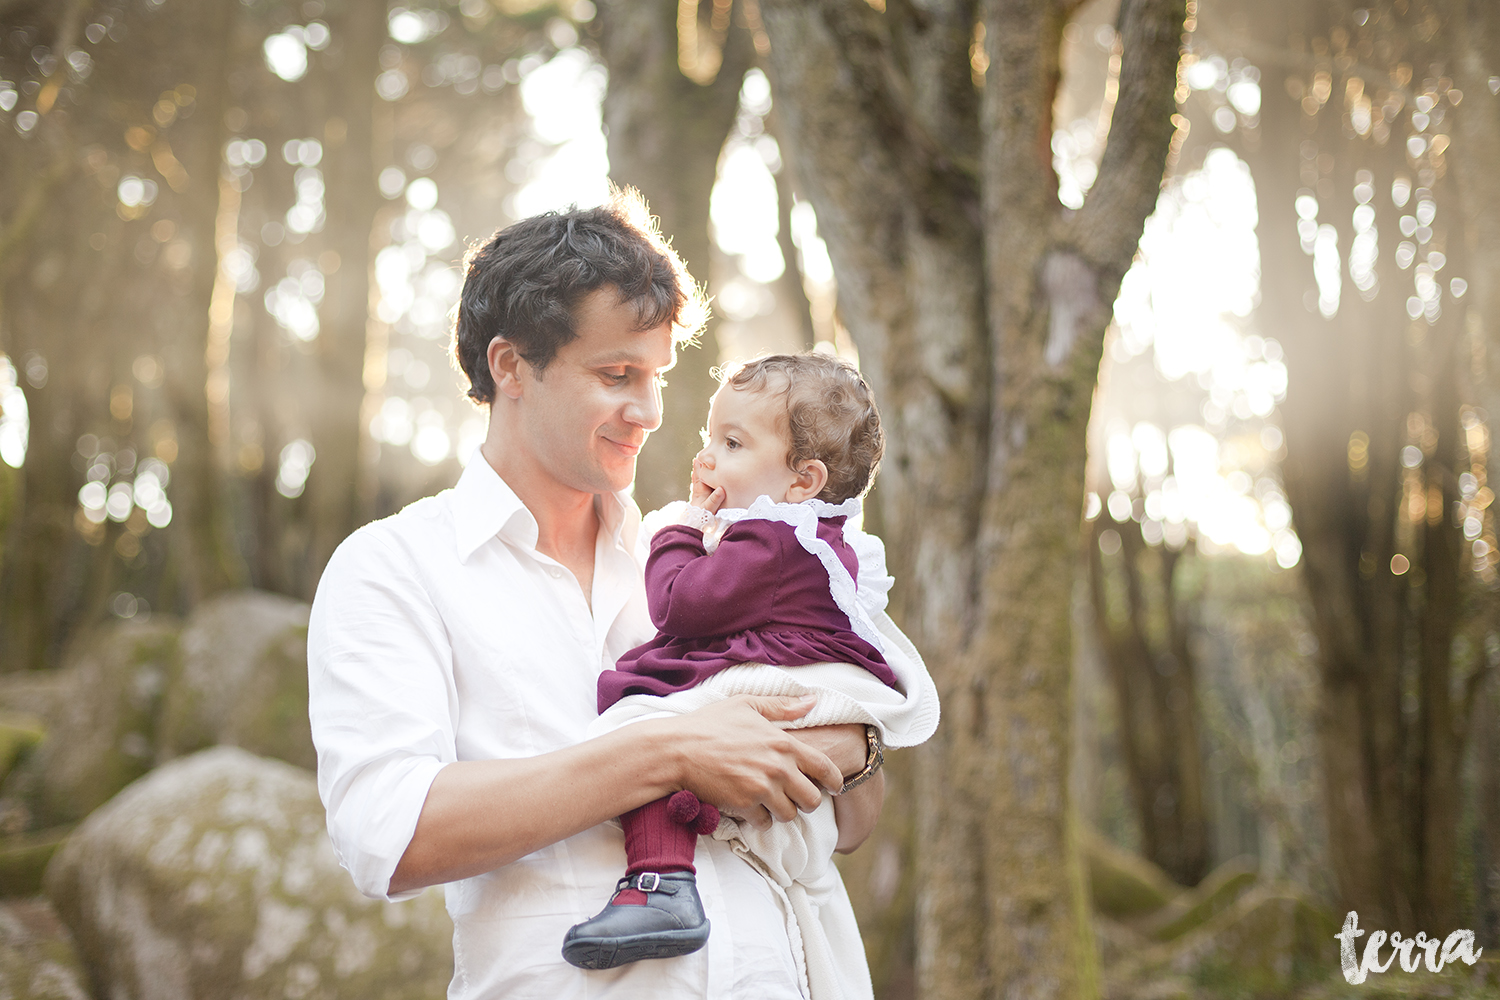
x,y
707,821
683,807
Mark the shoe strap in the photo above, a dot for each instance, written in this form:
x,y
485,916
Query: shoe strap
x,y
647,882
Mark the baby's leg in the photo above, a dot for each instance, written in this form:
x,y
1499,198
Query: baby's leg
x,y
661,836
656,912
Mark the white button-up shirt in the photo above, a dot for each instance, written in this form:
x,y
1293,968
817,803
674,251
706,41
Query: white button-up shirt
x,y
442,634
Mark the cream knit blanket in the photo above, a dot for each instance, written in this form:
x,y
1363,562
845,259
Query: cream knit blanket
x,y
796,858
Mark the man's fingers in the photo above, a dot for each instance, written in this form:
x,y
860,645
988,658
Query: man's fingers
x,y
781,708
806,795
816,765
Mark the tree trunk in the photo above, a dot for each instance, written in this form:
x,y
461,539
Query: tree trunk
x,y
352,199
1375,446
114,301
1154,675
979,306
665,133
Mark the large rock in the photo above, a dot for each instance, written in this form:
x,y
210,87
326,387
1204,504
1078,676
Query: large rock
x,y
1124,884
243,680
101,714
1268,942
37,958
1269,938
135,694
19,736
1215,894
213,877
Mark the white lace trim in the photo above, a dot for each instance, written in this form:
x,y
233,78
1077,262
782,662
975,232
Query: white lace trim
x,y
859,602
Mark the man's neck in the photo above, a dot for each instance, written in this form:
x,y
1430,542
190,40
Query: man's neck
x,y
567,520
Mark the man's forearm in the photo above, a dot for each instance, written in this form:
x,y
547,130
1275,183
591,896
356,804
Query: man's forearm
x,y
857,811
480,815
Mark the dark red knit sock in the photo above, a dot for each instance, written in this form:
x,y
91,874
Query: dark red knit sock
x,y
654,842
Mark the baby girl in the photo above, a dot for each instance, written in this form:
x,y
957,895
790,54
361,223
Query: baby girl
x,y
759,571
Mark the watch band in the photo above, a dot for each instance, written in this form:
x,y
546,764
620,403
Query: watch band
x,y
874,758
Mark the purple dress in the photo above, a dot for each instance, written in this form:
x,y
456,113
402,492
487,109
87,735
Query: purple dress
x,y
760,597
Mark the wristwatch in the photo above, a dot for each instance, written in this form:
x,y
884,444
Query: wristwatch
x,y
874,757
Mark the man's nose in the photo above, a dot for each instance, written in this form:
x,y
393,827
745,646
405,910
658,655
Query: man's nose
x,y
645,409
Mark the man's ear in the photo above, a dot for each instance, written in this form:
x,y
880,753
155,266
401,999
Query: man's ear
x,y
811,479
505,364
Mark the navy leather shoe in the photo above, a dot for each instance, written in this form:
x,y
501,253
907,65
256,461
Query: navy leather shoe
x,y
671,923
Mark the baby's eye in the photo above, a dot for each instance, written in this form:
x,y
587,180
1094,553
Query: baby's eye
x,y
731,443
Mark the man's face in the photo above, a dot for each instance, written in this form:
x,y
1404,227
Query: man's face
x,y
587,415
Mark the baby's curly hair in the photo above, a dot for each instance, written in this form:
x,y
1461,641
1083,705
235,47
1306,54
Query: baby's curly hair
x,y
830,416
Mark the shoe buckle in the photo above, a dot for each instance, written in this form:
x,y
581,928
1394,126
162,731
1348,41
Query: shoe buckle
x,y
640,882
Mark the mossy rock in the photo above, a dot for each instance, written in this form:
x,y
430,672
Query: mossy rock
x,y
243,680
102,722
1269,938
1456,982
213,878
24,858
1195,907
1270,941
1117,941
37,958
19,735
1124,884
38,695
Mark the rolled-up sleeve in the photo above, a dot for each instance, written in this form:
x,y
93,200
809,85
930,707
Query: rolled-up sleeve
x,y
383,703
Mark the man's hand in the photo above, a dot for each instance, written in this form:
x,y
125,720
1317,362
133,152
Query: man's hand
x,y
845,745
857,811
731,755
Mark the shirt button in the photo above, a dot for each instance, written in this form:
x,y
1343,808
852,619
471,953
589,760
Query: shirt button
x,y
556,573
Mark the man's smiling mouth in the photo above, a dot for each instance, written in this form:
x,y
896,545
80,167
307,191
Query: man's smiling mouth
x,y
629,448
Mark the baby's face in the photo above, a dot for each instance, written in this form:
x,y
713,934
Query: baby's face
x,y
745,450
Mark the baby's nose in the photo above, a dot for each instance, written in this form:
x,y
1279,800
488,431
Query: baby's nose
x,y
704,459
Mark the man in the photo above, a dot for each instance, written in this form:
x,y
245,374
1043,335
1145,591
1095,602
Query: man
x,y
454,648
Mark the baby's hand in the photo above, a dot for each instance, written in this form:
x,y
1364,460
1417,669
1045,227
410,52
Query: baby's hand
x,y
701,496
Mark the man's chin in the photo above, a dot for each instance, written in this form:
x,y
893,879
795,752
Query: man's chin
x,y
618,476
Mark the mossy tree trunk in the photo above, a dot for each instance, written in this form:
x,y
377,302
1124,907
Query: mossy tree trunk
x,y
665,132
979,307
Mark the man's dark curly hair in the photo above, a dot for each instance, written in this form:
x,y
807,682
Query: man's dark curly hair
x,y
524,283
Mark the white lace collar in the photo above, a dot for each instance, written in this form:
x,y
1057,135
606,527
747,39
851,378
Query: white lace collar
x,y
860,602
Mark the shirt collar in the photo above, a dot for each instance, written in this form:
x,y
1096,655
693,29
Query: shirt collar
x,y
484,506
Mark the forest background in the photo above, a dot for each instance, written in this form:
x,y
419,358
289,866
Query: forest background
x,y
1179,314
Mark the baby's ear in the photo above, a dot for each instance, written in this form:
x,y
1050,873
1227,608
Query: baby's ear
x,y
811,478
